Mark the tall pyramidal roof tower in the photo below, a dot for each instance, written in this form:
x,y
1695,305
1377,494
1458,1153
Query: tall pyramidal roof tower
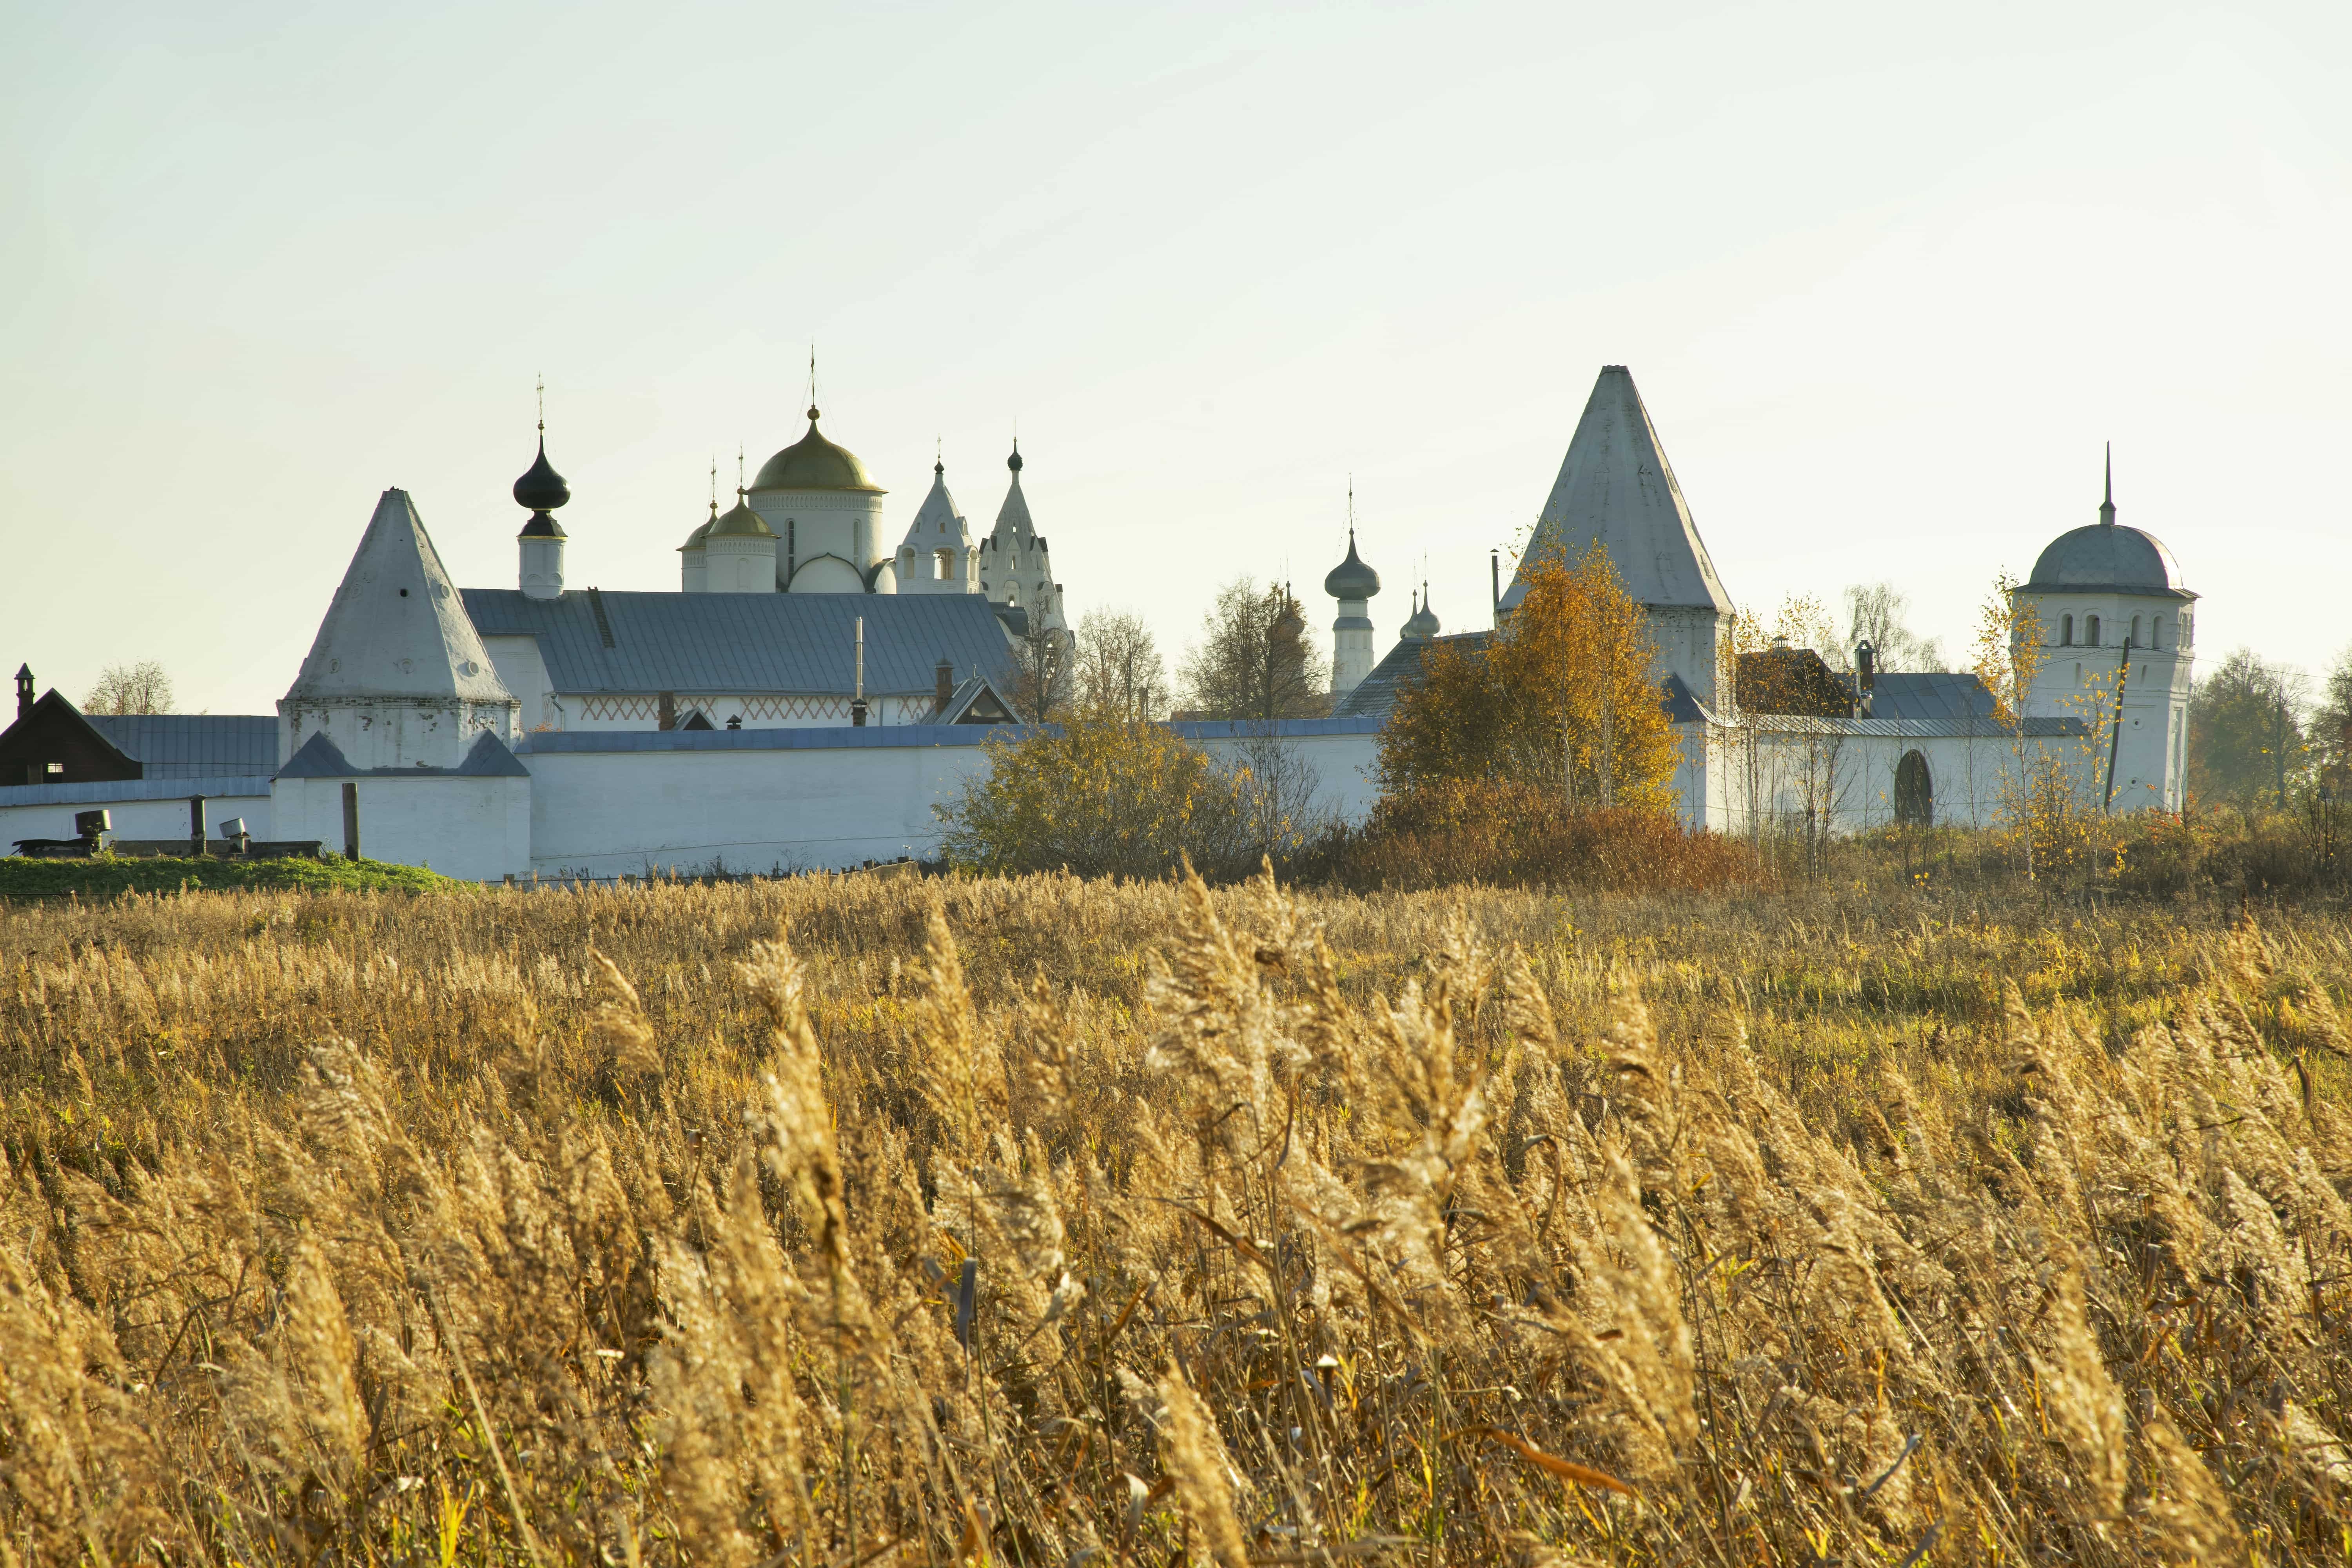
x,y
397,627
1615,489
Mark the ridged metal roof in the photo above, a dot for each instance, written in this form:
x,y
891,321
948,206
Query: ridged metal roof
x,y
1375,696
1930,695
798,644
98,792
193,745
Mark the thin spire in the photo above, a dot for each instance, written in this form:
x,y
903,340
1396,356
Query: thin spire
x,y
2108,507
542,407
739,467
812,382
714,481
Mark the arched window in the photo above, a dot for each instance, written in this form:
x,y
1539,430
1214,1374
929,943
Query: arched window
x,y
2065,631
2135,634
1915,792
945,560
2091,630
2155,632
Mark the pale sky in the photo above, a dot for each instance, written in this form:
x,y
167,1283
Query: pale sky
x,y
1886,276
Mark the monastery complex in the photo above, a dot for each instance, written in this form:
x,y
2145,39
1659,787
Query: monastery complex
x,y
820,679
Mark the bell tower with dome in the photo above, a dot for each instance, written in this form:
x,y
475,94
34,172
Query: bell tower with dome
x,y
2117,632
1353,584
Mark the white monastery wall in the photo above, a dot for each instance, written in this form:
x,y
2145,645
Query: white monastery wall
x,y
475,828
747,809
143,808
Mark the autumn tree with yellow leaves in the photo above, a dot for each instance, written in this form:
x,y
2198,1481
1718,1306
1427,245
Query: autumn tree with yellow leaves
x,y
1563,698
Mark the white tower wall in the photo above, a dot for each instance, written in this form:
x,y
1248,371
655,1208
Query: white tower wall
x,y
812,525
2086,640
542,565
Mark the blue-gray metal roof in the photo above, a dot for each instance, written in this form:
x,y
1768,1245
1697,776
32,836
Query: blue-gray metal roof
x,y
705,643
193,745
100,792
828,737
1982,728
1930,695
320,758
1375,696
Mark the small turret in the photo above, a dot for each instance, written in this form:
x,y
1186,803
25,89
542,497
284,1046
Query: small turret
x,y
1353,584
541,490
938,556
1423,623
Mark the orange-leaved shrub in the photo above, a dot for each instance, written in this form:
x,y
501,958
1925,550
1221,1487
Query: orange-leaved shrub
x,y
1505,834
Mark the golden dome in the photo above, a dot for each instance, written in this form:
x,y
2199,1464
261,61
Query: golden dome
x,y
740,523
813,463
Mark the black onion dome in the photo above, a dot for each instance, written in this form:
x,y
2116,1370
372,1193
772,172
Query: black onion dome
x,y
1014,462
1351,579
542,489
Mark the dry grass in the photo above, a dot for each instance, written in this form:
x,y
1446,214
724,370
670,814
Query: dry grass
x,y
856,1222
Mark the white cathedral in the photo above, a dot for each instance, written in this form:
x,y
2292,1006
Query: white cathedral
x,y
810,694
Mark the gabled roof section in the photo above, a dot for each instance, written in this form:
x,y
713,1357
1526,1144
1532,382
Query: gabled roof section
x,y
55,732
1930,694
1375,696
706,644
1616,490
193,745
320,758
978,701
397,627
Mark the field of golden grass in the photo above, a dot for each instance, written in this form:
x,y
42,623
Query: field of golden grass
x,y
1040,1221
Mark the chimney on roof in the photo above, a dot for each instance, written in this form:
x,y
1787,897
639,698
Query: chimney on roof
x,y
23,690
943,684
857,697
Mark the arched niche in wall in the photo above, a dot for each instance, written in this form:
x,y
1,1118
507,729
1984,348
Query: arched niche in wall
x,y
1915,792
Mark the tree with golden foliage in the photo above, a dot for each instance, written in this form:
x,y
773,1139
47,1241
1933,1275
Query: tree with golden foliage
x,y
1099,796
1563,698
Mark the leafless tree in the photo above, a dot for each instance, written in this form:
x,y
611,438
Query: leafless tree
x,y
1278,787
1043,671
1876,614
1120,675
1256,659
141,688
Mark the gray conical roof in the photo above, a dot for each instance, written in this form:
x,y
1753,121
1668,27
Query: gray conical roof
x,y
397,627
1013,517
937,521
1615,489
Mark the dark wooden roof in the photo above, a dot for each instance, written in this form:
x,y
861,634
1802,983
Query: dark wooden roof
x,y
53,744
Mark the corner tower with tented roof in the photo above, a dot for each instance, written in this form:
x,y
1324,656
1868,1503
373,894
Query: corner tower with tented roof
x,y
2116,629
1615,490
398,676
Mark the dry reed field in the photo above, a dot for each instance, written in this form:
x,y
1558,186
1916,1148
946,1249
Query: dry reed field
x,y
1041,1221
